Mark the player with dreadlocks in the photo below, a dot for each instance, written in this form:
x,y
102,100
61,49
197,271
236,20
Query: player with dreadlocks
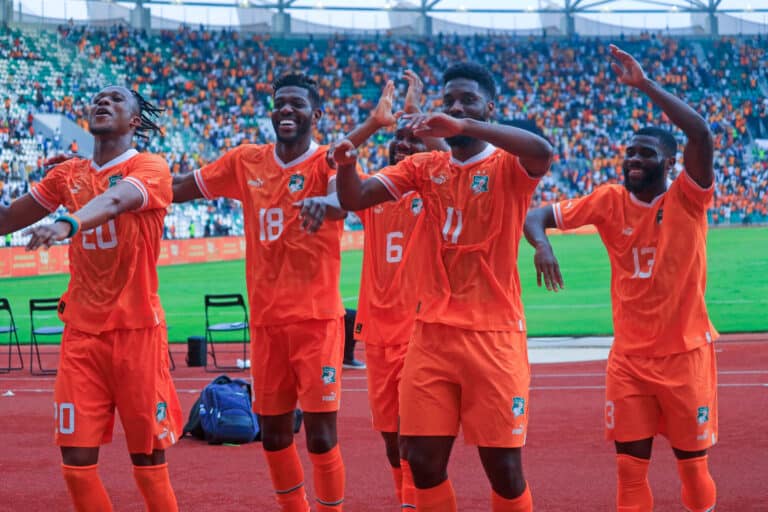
x,y
114,350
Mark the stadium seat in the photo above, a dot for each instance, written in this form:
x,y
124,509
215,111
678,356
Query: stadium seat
x,y
41,305
232,302
13,336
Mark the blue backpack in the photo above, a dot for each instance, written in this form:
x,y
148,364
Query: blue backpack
x,y
225,412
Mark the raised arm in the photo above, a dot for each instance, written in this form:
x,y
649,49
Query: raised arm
x,y
413,100
20,214
536,224
354,193
121,198
185,188
381,117
535,152
698,155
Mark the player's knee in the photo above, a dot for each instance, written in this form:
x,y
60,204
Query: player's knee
x,y
77,456
427,471
392,447
155,458
698,488
275,441
508,480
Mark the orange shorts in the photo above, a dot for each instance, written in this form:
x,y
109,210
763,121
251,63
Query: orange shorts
x,y
125,370
385,370
476,379
300,361
674,395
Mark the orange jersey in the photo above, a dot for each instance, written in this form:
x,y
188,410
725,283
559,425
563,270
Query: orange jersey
x,y
473,220
291,275
387,306
658,264
113,266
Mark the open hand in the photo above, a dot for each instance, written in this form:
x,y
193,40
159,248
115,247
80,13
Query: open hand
x,y
547,266
47,235
435,125
627,69
382,115
57,159
312,214
413,97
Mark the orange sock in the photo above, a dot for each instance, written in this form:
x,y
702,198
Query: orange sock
x,y
328,477
408,501
85,488
288,479
699,493
523,503
634,493
397,476
439,498
155,485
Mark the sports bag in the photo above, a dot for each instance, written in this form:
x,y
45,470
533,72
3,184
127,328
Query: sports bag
x,y
225,412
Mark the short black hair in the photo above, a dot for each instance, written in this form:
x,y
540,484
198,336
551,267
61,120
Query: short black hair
x,y
473,71
668,141
298,80
148,113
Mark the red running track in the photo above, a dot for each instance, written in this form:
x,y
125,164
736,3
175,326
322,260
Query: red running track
x,y
568,464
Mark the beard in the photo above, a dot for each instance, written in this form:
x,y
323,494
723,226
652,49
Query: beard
x,y
302,131
459,141
651,176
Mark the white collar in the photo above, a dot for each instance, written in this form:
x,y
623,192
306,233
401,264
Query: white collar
x,y
296,161
488,151
642,203
130,153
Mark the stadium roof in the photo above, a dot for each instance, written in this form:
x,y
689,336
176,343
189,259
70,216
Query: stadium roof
x,y
747,16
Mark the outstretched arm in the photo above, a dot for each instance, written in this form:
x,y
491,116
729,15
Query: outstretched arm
x,y
699,151
20,214
121,198
535,152
354,193
185,188
544,260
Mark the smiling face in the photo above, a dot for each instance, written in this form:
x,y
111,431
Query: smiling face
x,y
113,111
293,115
464,98
404,144
645,165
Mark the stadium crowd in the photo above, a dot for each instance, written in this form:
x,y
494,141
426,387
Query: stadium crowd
x,y
215,87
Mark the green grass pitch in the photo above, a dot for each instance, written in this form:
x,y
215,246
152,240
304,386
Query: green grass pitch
x,y
737,289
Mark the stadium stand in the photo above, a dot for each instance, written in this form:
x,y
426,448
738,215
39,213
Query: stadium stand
x,y
215,86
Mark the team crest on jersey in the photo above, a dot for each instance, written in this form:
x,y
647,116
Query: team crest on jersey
x,y
329,375
479,183
703,415
296,183
416,205
114,180
161,412
518,406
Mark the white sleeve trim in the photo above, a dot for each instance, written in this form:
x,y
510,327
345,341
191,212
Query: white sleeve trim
x,y
391,188
41,200
201,184
142,190
693,182
556,209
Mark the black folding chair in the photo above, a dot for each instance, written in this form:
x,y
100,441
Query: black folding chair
x,y
231,301
13,337
39,306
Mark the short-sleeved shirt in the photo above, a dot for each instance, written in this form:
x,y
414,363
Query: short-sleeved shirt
x,y
658,261
386,308
291,275
113,266
474,214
